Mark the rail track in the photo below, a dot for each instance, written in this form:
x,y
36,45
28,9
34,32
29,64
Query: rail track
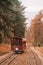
x,y
8,59
16,59
5,58
33,58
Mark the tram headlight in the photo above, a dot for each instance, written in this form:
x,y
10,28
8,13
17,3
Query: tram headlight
x,y
16,48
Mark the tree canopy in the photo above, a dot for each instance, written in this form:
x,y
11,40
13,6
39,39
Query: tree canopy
x,y
35,31
12,19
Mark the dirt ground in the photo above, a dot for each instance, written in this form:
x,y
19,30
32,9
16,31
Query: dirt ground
x,y
5,48
40,49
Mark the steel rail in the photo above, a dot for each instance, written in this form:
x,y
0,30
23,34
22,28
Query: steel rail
x,y
9,60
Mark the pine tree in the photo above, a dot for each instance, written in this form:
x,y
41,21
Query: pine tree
x,y
12,18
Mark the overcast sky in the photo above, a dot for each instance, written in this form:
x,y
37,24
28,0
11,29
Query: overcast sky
x,y
33,7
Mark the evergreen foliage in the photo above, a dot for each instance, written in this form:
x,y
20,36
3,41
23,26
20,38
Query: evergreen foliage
x,y
12,18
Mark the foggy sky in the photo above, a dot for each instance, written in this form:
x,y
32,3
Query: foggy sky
x,y
33,7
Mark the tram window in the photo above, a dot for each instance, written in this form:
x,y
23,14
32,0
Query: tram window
x,y
13,41
18,42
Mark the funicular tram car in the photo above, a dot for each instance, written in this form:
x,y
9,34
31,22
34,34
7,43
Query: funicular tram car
x,y
18,45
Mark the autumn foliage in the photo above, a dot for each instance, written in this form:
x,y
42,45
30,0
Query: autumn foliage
x,y
35,31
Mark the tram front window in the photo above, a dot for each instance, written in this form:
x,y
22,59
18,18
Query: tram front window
x,y
18,42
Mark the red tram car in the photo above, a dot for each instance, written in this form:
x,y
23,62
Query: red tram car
x,y
18,45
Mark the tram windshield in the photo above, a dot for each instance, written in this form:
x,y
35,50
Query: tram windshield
x,y
16,41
